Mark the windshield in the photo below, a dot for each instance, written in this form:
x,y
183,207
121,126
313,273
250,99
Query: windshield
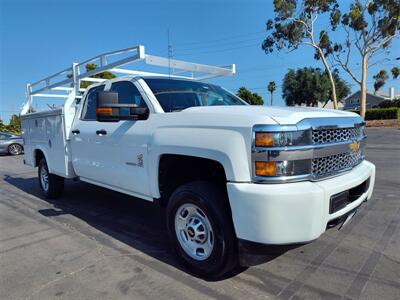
x,y
176,95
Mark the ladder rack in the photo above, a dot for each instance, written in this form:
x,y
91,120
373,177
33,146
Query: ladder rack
x,y
66,83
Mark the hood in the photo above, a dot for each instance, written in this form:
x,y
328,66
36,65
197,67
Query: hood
x,y
281,115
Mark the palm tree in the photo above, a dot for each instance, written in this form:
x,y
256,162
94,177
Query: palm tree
x,y
271,88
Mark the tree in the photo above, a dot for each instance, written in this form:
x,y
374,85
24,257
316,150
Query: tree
x,y
370,27
2,126
293,26
249,97
342,87
395,72
271,88
102,75
380,79
15,123
367,27
310,86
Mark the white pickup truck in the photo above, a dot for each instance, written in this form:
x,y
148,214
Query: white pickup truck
x,y
229,174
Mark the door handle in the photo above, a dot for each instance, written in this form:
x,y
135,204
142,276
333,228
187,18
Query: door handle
x,y
75,132
101,132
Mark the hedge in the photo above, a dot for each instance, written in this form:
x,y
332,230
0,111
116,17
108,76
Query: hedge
x,y
382,113
389,103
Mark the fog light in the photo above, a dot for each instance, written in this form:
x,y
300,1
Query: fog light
x,y
283,168
264,168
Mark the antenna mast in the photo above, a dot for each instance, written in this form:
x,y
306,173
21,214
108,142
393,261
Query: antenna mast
x,y
170,54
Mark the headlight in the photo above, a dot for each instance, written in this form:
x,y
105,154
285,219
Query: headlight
x,y
264,139
282,139
282,168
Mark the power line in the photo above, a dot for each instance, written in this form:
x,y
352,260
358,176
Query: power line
x,y
257,68
225,38
220,44
221,39
221,50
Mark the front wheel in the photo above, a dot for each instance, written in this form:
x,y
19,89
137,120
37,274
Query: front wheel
x,y
201,229
51,185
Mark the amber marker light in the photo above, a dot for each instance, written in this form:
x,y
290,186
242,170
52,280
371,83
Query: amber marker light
x,y
264,139
104,111
264,168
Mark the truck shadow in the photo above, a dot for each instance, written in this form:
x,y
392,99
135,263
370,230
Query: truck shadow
x,y
132,221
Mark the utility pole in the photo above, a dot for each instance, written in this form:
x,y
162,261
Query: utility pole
x,y
170,55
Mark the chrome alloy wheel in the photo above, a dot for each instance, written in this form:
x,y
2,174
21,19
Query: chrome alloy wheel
x,y
194,231
44,179
15,149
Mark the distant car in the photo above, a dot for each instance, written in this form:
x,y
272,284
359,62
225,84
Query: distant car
x,y
11,143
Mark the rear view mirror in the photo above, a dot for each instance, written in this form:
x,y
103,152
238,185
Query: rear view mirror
x,y
109,109
106,110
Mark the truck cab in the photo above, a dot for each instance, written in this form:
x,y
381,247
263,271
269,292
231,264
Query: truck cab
x,y
227,173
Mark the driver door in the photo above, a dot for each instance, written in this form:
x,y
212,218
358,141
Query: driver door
x,y
116,154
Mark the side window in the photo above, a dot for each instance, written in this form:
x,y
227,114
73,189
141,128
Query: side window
x,y
127,94
3,136
89,107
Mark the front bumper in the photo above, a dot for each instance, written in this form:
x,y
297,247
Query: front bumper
x,y
279,214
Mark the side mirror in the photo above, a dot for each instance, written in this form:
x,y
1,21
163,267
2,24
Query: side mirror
x,y
110,110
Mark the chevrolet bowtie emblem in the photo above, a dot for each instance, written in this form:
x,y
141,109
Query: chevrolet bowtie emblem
x,y
354,146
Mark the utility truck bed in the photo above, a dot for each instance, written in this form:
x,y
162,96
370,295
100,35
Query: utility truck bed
x,y
45,131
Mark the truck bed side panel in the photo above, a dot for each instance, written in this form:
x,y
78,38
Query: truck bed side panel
x,y
45,131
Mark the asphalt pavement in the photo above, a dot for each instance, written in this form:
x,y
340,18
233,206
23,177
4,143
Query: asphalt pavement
x,y
98,244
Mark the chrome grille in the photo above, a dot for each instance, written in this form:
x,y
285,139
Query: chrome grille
x,y
330,165
326,136
320,148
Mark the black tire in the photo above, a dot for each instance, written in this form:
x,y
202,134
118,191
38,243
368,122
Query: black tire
x,y
15,149
211,200
55,184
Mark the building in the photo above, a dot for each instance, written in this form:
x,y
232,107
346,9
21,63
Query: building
x,y
329,105
353,101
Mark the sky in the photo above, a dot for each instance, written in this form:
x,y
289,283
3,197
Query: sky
x,y
41,37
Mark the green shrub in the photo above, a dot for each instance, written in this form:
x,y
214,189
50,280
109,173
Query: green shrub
x,y
381,113
389,103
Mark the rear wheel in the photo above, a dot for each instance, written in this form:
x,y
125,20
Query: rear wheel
x,y
15,149
52,185
200,226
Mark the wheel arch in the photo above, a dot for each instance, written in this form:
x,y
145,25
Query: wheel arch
x,y
227,148
177,169
37,154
